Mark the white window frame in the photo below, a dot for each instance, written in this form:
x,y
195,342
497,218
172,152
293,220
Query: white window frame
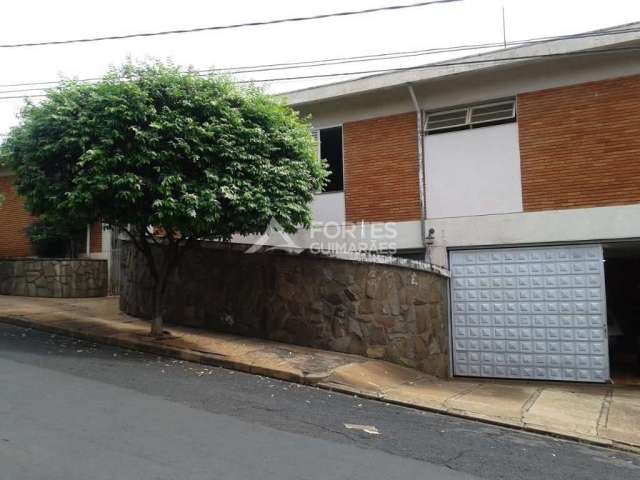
x,y
468,124
316,135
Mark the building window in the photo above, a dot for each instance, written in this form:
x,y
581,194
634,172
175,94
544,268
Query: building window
x,y
472,116
330,149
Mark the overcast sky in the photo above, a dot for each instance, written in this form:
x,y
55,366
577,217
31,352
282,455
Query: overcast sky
x,y
465,22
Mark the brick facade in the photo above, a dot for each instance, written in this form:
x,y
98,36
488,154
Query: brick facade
x,y
580,145
95,238
381,169
13,221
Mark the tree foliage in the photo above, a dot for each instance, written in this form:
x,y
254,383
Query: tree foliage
x,y
197,157
55,239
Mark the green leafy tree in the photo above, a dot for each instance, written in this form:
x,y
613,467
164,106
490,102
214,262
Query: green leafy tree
x,y
169,157
55,239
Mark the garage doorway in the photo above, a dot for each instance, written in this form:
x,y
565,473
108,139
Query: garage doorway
x,y
622,274
529,313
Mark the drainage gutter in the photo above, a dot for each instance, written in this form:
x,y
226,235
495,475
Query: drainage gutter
x,y
421,179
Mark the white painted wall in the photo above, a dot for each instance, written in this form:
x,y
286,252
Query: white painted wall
x,y
555,226
524,228
473,172
329,207
478,86
106,240
345,237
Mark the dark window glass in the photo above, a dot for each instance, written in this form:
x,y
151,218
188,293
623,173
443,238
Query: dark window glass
x,y
331,151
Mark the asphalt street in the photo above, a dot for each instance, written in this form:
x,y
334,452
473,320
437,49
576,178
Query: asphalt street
x,y
76,410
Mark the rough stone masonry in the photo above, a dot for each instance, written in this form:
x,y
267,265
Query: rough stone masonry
x,y
389,309
58,278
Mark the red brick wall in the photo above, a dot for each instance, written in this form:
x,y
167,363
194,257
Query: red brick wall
x,y
580,145
95,240
13,220
381,169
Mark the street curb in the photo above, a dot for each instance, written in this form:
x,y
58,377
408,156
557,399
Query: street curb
x,y
525,428
164,350
311,379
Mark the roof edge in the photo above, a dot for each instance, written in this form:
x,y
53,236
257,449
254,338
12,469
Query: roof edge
x,y
486,60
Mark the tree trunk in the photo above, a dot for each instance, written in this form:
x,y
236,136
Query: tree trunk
x,y
157,314
156,325
171,256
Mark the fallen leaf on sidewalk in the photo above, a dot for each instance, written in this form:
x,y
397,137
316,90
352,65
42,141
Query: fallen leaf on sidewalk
x,y
365,428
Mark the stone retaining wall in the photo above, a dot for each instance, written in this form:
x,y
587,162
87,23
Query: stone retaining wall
x,y
391,309
58,278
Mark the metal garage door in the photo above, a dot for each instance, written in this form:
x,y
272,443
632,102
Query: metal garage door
x,y
533,313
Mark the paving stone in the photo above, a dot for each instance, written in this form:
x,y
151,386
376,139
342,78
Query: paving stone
x,y
567,410
623,419
429,392
499,401
373,377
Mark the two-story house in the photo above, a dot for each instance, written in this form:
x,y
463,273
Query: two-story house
x,y
518,170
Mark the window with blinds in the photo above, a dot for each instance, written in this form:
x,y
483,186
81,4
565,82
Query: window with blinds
x,y
472,116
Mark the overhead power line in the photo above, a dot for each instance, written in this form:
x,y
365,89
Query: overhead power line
x,y
581,53
351,59
274,66
430,51
228,27
392,55
285,65
294,65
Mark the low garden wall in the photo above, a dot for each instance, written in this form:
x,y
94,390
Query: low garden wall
x,y
379,307
58,278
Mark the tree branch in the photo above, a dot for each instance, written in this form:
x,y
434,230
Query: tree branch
x,y
131,236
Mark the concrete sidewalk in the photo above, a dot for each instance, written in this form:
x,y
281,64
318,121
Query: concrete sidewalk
x,y
601,414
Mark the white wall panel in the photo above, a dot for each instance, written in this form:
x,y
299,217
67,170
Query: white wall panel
x,y
329,207
572,225
473,172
